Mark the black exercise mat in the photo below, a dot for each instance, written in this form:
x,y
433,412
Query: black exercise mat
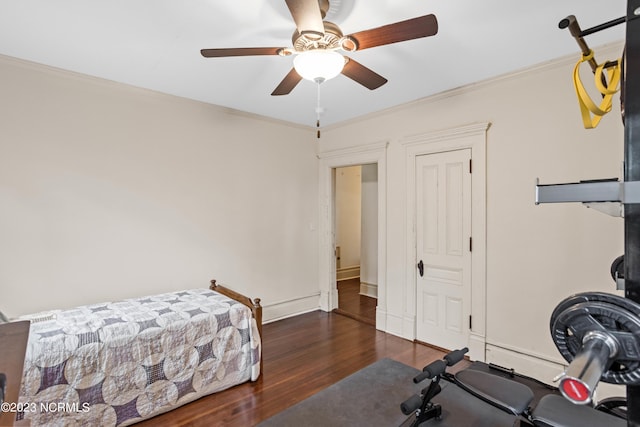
x,y
372,397
369,397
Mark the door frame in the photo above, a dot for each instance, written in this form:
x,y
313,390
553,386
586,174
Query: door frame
x,y
474,137
329,160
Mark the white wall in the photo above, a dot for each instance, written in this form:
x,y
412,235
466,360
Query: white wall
x,y
536,255
369,227
109,191
348,215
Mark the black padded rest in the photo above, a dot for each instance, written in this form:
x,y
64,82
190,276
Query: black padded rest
x,y
555,411
510,395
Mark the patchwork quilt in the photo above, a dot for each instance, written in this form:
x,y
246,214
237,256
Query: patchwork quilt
x,y
114,364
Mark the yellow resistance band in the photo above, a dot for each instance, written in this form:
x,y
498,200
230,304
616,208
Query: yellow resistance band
x,y
587,106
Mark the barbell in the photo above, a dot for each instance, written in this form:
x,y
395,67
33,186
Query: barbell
x,y
599,335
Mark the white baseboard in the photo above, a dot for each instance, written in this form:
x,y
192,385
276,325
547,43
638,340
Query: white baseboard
x,y
346,273
368,289
400,326
294,307
476,347
394,325
523,362
604,390
381,319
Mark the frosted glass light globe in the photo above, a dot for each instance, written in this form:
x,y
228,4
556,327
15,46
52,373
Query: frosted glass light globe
x,y
318,65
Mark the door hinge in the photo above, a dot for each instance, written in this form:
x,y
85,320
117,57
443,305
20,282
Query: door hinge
x,y
470,244
470,166
470,323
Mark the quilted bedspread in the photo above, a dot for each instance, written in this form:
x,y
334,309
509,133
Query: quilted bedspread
x,y
114,364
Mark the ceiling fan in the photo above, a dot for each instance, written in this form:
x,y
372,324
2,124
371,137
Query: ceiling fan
x,y
316,44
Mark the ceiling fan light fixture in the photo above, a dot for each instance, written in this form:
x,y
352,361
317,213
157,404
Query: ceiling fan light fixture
x,y
319,65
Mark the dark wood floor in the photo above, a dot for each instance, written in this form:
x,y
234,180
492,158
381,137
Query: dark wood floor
x,y
302,355
352,304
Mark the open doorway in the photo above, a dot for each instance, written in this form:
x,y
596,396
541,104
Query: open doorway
x,y
375,153
356,239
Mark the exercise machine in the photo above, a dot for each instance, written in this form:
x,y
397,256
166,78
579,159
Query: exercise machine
x,y
491,395
595,332
421,405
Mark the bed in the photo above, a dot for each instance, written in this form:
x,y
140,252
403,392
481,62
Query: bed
x,y
117,363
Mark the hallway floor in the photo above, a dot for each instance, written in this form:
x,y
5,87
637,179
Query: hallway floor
x,y
354,305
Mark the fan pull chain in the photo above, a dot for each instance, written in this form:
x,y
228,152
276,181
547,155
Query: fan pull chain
x,y
318,110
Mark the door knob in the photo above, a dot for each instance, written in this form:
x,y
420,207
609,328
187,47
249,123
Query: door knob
x,y
421,268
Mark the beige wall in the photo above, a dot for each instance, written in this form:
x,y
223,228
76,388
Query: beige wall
x,y
356,218
369,227
109,191
348,215
536,255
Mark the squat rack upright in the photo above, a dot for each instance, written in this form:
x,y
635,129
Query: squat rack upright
x,y
631,174
627,193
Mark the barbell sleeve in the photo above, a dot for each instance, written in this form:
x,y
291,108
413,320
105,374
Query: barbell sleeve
x,y
585,370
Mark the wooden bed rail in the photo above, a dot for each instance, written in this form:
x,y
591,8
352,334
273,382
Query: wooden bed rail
x,y
254,305
13,344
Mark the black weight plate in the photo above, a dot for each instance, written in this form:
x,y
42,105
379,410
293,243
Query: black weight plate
x,y
576,320
617,266
572,324
625,303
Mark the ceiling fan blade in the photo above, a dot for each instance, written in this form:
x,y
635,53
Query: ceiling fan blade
x,y
410,29
363,75
307,16
290,81
242,51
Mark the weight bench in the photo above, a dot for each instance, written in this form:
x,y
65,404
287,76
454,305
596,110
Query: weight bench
x,y
511,398
505,394
552,410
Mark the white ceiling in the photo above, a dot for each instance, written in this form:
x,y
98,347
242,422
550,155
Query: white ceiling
x,y
155,44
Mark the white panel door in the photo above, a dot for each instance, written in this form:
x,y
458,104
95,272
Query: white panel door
x,y
443,248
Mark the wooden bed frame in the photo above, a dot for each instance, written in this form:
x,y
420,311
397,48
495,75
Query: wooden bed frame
x,y
14,337
13,344
254,305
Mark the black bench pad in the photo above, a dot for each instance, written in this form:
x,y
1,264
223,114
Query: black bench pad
x,y
510,395
556,411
